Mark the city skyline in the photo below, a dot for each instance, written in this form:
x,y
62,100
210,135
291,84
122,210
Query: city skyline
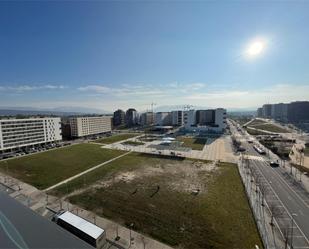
x,y
119,55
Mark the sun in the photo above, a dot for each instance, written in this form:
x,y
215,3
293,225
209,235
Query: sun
x,y
255,48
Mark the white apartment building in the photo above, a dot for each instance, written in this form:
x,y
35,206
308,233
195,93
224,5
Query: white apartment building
x,y
85,126
189,118
147,118
18,133
205,120
163,118
177,118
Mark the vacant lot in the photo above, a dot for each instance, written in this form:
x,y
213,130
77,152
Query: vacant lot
x,y
193,143
110,171
48,168
271,128
183,203
116,138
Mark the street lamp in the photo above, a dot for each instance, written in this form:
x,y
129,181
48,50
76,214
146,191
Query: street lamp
x,y
131,225
292,220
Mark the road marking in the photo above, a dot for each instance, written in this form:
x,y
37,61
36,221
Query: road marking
x,y
282,180
285,207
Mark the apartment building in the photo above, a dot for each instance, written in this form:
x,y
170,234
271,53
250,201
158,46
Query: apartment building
x,y
19,133
298,112
279,111
294,112
267,110
163,118
131,117
260,112
205,120
147,118
177,118
119,117
85,126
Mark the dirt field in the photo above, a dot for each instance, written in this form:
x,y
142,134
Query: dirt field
x,y
184,203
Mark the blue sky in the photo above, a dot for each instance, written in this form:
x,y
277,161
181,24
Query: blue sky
x,y
107,55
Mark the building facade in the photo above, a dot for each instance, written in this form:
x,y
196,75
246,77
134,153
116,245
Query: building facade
x,y
163,118
147,118
177,118
267,110
85,126
131,117
279,111
205,120
260,112
119,118
298,112
19,133
294,112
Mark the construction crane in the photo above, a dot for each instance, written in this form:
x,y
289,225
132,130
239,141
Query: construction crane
x,y
152,105
187,107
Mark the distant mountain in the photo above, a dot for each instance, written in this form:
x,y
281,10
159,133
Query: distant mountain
x,y
168,108
59,111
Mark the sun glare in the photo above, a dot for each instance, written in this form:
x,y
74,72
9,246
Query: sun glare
x,y
255,48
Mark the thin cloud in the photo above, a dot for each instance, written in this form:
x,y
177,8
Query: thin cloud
x,y
28,88
94,88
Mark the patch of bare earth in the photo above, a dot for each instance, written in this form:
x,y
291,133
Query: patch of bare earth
x,y
184,176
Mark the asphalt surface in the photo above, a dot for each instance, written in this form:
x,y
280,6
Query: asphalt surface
x,y
287,194
22,228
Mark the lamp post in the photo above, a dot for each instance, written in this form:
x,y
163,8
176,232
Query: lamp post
x,y
131,225
292,221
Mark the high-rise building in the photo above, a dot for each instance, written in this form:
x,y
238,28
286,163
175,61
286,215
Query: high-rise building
x,y
279,111
131,117
189,119
163,118
177,118
18,133
85,126
298,112
146,118
119,117
294,112
203,120
267,110
260,112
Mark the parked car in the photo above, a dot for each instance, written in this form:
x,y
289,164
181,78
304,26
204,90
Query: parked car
x,y
274,164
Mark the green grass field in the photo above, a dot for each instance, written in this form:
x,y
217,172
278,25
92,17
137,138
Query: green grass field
x,y
116,138
255,132
271,128
218,217
193,143
257,122
48,168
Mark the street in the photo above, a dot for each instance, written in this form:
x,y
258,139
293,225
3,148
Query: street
x,y
283,193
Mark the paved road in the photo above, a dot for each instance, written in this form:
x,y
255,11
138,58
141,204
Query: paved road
x,y
289,195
